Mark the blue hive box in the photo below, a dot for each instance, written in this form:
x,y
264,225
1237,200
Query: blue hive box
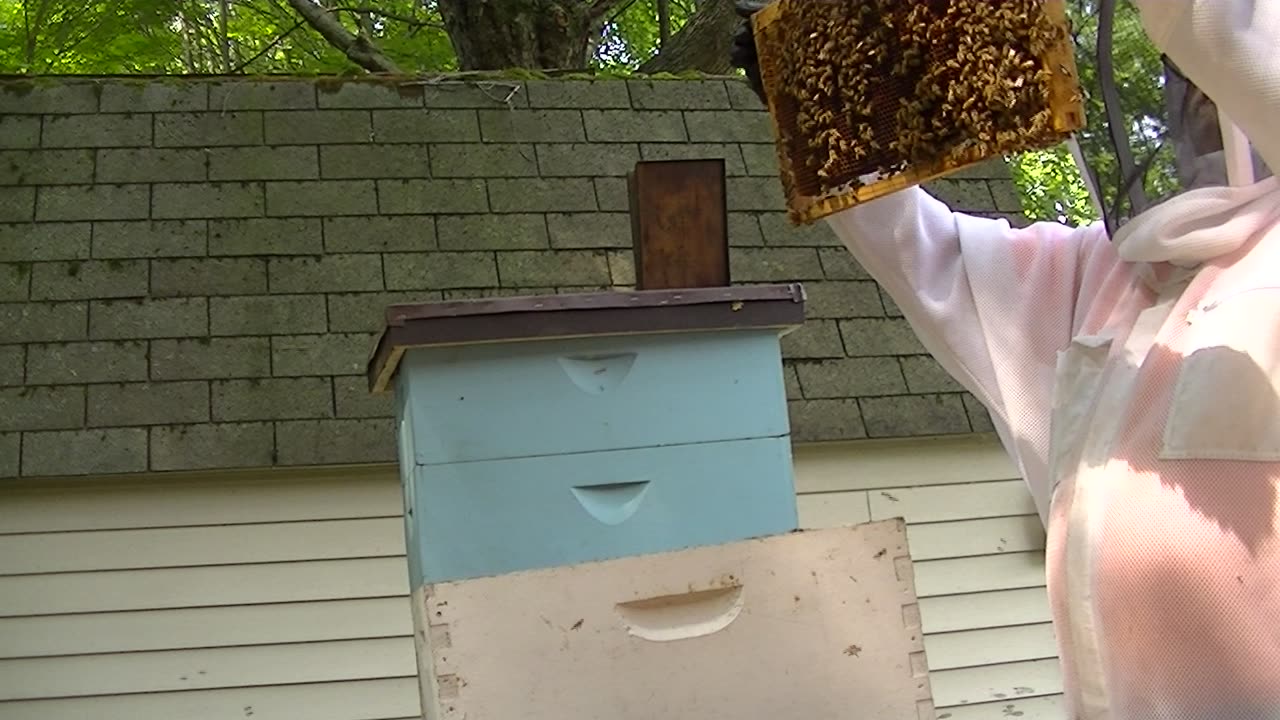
x,y
544,431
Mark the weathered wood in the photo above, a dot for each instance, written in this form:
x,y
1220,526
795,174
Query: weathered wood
x,y
679,224
796,625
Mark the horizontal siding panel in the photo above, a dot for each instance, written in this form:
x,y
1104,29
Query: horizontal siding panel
x,y
289,590
197,546
357,700
183,503
1007,681
952,502
202,587
972,648
205,627
870,465
979,574
1049,707
85,675
932,540
827,510
964,538
984,610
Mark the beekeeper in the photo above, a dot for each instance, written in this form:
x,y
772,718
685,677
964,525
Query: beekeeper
x,y
1134,377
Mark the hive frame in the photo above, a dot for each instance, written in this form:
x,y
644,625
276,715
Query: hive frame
x,y
1066,105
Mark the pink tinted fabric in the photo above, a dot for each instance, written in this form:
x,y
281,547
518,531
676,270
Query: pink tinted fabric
x,y
1135,381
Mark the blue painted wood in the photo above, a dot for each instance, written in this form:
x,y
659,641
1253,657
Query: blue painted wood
x,y
487,518
510,400
408,483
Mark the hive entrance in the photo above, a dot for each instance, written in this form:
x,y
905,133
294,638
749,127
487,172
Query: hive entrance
x,y
871,96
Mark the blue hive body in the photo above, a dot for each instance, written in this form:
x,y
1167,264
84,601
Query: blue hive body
x,y
524,447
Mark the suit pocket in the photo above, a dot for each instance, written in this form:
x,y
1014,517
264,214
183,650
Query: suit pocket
x,y
1226,401
1075,391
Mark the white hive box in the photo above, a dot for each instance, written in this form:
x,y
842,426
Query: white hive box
x,y
814,625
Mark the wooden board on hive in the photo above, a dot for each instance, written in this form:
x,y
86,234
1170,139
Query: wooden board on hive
x,y
679,224
869,97
800,625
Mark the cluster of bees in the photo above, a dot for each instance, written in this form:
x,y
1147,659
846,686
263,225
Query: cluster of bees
x,y
877,86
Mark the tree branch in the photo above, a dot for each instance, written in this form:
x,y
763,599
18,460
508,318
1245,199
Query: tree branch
x,y
267,48
224,38
390,16
599,8
358,49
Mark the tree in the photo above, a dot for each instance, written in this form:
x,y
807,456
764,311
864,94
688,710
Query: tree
x,y
702,44
435,36
524,33
1138,72
357,46
333,36
1050,185
557,33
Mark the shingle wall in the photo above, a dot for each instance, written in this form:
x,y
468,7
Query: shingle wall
x,y
191,271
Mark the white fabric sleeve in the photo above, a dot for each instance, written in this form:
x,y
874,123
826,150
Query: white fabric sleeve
x,y
982,296
1231,50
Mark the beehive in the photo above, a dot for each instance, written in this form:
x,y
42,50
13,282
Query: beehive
x,y
549,430
869,97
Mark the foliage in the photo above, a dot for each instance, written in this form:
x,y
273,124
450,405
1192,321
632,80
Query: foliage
x,y
631,35
103,37
1051,187
166,37
71,36
268,36
1138,74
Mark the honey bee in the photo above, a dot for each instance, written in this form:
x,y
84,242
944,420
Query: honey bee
x,y
882,86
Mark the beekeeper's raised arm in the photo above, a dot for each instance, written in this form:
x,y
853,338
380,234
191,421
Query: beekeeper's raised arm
x,y
991,302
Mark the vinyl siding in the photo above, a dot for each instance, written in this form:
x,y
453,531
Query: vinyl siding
x,y
978,547
284,594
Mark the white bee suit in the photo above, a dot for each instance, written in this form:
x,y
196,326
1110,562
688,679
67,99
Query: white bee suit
x,y
1135,380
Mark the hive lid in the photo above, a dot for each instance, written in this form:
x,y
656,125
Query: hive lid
x,y
545,317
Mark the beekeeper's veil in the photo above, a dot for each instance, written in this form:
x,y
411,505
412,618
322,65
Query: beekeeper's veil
x,y
1151,134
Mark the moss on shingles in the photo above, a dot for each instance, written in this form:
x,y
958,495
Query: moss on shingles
x,y
330,85
523,74
18,88
408,85
333,83
22,86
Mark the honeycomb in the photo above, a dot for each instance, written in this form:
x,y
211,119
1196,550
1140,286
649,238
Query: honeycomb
x,y
869,97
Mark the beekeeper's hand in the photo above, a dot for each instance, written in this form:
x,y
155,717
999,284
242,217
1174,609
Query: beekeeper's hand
x,y
743,53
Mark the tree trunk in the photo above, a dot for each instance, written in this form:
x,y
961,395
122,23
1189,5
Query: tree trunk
x,y
702,44
529,34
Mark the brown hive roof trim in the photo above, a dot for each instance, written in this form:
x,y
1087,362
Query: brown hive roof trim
x,y
544,317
